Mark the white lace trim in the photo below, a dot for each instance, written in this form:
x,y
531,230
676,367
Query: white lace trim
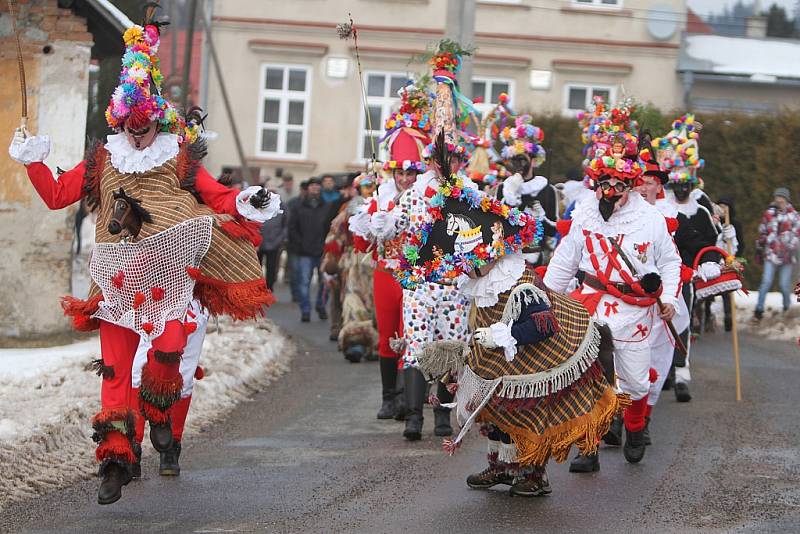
x,y
689,208
486,289
634,215
126,159
534,186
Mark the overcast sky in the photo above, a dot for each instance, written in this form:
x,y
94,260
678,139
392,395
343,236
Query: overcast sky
x,y
704,7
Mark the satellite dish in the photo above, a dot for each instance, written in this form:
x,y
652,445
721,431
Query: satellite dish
x,y
662,22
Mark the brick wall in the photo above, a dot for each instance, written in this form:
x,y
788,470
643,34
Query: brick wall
x,y
36,259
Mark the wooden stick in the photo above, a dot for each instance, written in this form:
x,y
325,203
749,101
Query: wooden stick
x,y
22,84
734,331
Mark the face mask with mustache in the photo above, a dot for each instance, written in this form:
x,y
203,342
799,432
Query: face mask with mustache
x,y
607,204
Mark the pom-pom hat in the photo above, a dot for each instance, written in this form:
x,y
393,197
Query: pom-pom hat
x,y
407,131
679,151
612,147
523,137
137,100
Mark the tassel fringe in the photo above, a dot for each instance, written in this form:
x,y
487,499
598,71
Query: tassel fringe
x,y
556,379
240,300
81,311
441,357
100,369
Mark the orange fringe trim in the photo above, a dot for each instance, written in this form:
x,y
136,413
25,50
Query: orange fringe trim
x,y
239,300
584,431
81,312
115,446
242,230
108,415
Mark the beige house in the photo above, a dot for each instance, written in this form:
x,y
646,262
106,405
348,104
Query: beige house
x,y
294,85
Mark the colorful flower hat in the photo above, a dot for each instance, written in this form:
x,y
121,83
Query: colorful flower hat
x,y
611,146
137,99
408,129
523,138
649,160
679,151
465,230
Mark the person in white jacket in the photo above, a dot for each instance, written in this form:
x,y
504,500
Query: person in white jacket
x,y
622,246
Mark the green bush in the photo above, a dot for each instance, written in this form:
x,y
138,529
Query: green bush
x,y
746,157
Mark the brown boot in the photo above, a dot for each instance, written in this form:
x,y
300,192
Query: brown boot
x,y
533,484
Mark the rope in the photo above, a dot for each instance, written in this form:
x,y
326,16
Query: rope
x,y
22,85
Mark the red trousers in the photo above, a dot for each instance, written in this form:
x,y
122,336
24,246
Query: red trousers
x,y
388,296
115,424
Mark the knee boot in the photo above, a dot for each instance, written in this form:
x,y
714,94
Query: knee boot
x,y
400,396
389,385
415,388
441,415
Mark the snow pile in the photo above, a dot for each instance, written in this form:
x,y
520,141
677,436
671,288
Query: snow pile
x,y
775,325
49,397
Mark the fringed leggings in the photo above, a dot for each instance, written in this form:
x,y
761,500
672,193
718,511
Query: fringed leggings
x,y
115,424
502,454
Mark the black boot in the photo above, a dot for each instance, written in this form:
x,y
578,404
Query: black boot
x,y
415,387
388,384
400,396
614,435
669,383
585,463
682,392
136,468
634,446
441,415
646,431
115,475
169,466
161,436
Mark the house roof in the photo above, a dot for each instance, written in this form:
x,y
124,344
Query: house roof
x,y
694,24
757,59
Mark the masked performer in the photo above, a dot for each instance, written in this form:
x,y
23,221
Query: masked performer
x,y
623,246
532,375
156,248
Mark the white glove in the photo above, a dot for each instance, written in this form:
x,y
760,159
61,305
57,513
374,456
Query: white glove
x,y
359,224
248,211
512,190
382,224
728,232
27,149
708,271
498,335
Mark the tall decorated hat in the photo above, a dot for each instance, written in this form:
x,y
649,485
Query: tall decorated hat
x,y
451,108
407,131
679,151
523,137
137,99
465,230
611,146
648,158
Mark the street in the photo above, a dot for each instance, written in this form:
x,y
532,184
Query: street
x,y
308,455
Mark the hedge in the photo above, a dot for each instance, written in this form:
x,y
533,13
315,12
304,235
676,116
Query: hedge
x,y
746,158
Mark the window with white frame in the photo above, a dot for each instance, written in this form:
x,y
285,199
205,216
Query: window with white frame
x,y
283,111
487,92
382,99
578,97
598,3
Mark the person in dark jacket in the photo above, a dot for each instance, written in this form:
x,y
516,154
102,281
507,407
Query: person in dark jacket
x,y
291,253
273,235
309,221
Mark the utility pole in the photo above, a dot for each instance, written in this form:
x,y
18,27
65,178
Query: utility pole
x,y
187,55
460,27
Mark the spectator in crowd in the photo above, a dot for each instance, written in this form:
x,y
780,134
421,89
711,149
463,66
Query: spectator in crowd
x,y
291,252
777,247
309,220
330,194
273,235
286,189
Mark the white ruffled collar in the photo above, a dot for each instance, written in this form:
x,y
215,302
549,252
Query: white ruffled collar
x,y
629,218
425,180
689,208
486,289
126,159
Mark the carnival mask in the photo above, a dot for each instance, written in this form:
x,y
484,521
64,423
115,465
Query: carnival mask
x,y
520,164
681,191
141,138
610,193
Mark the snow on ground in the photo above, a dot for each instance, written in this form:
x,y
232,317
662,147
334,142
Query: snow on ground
x,y
775,325
49,396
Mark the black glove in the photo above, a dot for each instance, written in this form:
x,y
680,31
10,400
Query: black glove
x,y
260,200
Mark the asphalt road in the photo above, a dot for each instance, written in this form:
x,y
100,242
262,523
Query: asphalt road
x,y
308,455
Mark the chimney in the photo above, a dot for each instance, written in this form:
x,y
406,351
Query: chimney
x,y
756,23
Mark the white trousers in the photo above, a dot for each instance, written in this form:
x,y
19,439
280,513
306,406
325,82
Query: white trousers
x,y
191,353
